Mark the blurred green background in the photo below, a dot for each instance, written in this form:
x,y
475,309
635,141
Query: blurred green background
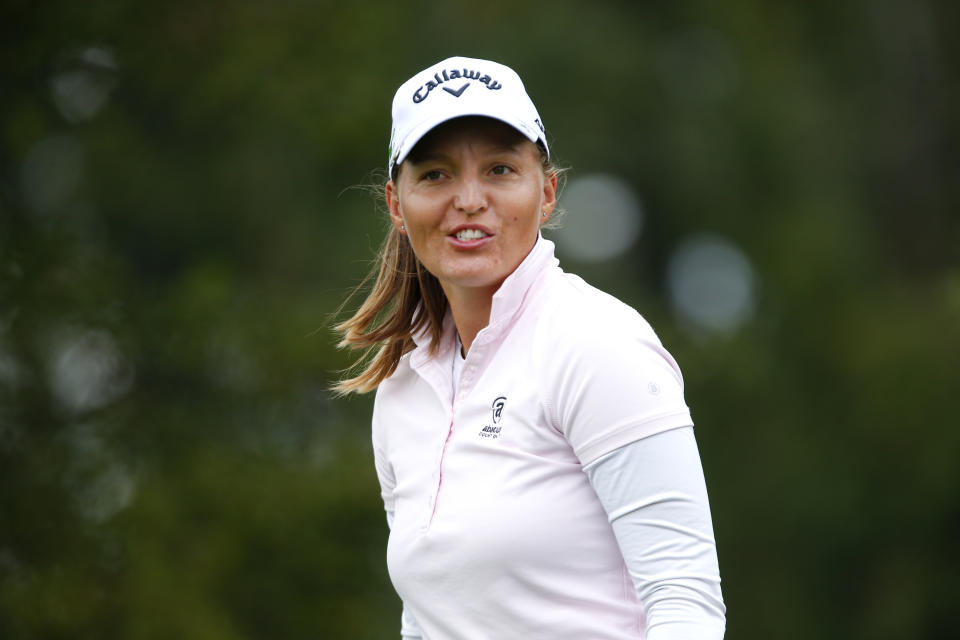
x,y
177,224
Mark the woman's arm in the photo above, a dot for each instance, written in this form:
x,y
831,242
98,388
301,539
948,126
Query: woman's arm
x,y
409,629
654,494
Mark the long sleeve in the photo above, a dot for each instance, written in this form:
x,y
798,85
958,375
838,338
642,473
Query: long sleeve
x,y
655,496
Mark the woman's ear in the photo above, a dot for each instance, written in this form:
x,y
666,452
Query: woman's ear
x,y
393,205
549,200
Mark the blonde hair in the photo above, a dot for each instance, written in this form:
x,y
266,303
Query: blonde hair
x,y
404,299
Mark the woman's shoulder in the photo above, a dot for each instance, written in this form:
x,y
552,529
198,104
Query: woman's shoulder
x,y
391,391
581,328
397,381
572,307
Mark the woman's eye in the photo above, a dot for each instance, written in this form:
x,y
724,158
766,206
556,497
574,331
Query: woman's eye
x,y
501,170
433,174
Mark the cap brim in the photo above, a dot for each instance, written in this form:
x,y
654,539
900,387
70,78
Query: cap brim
x,y
417,133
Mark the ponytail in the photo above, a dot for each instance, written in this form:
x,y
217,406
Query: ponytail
x,y
405,299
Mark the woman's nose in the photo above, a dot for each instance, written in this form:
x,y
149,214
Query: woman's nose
x,y
470,196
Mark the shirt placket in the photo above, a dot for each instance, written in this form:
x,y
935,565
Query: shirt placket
x,y
431,372
471,371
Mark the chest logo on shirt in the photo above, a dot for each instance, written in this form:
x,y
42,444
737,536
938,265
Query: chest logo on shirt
x,y
496,412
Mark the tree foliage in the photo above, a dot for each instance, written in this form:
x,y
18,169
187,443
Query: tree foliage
x,y
178,223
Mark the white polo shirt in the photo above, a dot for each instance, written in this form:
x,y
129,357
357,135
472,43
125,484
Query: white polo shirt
x,y
496,531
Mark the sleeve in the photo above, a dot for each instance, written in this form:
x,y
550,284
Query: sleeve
x,y
409,628
384,469
654,493
611,385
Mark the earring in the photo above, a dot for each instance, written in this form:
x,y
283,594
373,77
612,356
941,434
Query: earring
x,y
403,228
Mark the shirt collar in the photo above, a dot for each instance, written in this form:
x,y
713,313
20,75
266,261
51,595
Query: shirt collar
x,y
509,297
506,301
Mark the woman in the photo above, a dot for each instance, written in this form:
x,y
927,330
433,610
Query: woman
x,y
535,454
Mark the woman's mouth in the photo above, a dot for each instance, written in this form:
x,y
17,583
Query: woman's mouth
x,y
465,235
470,237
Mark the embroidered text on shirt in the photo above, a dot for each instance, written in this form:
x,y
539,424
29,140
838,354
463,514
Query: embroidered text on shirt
x,y
496,411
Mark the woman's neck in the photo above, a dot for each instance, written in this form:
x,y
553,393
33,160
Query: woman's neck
x,y
471,311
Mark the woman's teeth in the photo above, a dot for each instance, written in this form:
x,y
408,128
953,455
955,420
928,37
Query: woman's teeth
x,y
470,234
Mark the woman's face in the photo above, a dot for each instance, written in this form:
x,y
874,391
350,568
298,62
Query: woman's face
x,y
471,198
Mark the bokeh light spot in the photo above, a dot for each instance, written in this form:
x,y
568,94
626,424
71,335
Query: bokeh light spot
x,y
88,371
99,482
604,218
82,90
711,284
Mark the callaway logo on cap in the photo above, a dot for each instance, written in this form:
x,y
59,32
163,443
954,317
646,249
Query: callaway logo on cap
x,y
460,87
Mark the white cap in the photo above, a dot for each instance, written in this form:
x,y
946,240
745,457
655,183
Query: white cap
x,y
460,87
